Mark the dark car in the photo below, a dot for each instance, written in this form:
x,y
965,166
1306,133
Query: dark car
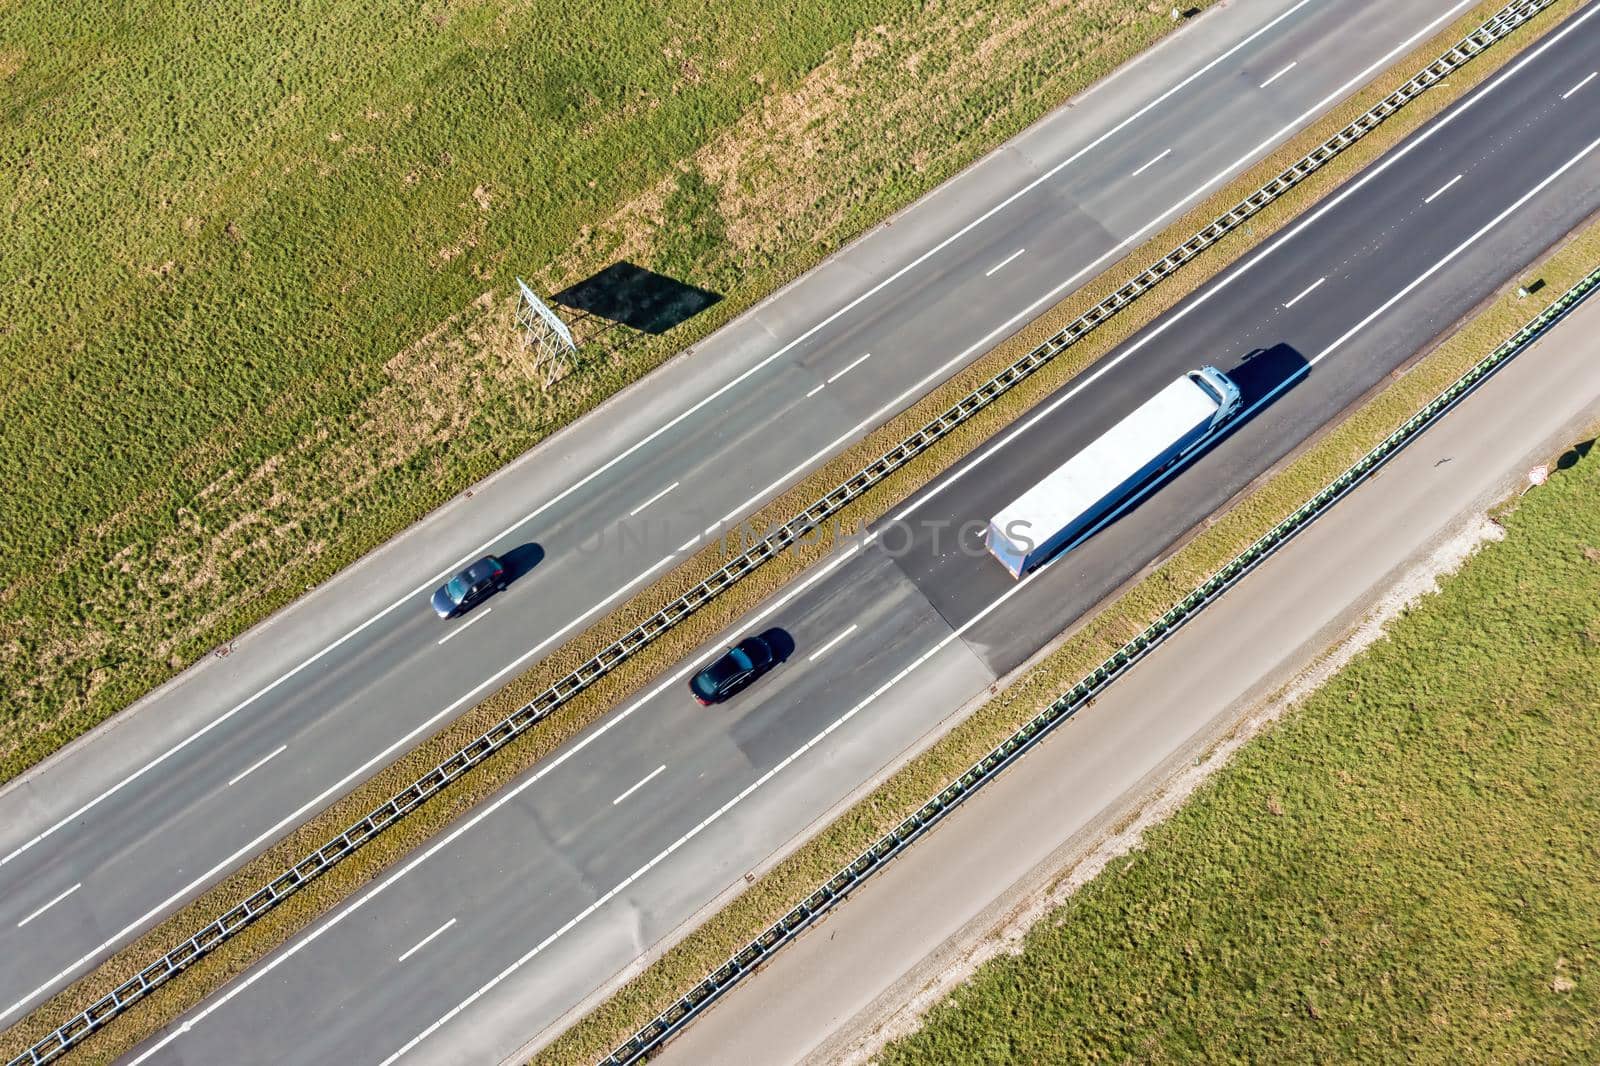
x,y
732,670
470,587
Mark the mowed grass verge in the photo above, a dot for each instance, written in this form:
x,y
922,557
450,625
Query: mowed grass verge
x,y
1404,868
800,874
254,306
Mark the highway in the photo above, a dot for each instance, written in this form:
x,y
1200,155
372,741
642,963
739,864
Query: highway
x,y
103,840
831,996
532,906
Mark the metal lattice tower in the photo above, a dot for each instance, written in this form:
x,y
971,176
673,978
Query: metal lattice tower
x,y
545,333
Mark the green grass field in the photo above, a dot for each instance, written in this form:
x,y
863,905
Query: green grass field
x,y
254,301
1406,868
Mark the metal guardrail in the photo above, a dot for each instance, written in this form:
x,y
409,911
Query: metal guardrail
x,y
833,891
315,863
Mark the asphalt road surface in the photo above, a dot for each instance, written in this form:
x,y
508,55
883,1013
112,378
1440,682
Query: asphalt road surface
x,y
532,906
103,840
827,996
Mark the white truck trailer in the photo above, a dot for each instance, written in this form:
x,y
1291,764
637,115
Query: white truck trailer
x,y
1081,491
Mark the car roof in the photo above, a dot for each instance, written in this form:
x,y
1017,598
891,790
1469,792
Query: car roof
x,y
481,569
723,668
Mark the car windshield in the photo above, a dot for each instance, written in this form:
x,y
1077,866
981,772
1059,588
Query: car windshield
x,y
456,588
741,658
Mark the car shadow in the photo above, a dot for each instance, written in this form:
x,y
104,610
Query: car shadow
x,y
781,643
521,560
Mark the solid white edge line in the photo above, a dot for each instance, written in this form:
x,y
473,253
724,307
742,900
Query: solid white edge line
x,y
464,626
635,512
820,652
1440,191
1152,163
52,903
419,945
640,784
338,916
1280,74
943,642
1234,273
1580,85
258,764
849,368
332,920
851,305
992,271
1309,289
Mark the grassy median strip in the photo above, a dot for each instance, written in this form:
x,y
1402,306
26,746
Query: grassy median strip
x,y
255,319
1402,868
910,787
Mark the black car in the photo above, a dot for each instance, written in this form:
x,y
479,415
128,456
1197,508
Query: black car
x,y
470,587
732,670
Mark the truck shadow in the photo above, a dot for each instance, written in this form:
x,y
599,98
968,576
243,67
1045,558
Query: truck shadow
x,y
1264,374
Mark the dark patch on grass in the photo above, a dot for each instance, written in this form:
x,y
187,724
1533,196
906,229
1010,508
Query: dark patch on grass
x,y
635,297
